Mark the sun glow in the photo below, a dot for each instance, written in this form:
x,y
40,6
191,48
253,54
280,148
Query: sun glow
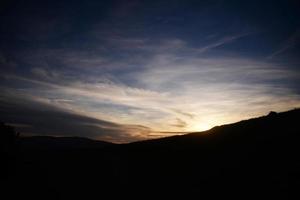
x,y
201,126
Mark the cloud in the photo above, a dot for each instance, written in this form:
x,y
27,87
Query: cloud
x,y
190,115
224,40
202,92
179,123
163,81
221,90
292,41
163,66
36,118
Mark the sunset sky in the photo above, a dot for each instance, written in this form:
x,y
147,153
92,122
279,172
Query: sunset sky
x,y
123,71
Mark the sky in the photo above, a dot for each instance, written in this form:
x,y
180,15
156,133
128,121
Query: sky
x,y
124,71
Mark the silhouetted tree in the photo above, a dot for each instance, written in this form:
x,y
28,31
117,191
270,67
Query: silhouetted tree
x,y
8,144
7,138
272,114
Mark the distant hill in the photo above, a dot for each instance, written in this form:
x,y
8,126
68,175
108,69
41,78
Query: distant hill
x,y
252,159
273,126
48,142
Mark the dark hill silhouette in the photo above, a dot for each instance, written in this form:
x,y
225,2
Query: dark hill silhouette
x,y
256,158
60,143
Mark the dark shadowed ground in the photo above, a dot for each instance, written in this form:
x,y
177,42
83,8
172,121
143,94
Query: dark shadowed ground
x,y
256,158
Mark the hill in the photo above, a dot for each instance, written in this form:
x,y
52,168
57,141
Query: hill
x,y
256,158
60,143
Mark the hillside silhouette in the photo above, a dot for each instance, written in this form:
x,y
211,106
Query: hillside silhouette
x,y
256,158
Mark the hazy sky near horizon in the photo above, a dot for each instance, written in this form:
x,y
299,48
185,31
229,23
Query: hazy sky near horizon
x,y
123,71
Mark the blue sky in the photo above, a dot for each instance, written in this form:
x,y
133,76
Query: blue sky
x,y
123,71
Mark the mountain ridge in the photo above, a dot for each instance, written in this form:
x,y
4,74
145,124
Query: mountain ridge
x,y
272,114
255,158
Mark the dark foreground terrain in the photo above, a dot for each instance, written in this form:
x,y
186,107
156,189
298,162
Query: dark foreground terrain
x,y
252,159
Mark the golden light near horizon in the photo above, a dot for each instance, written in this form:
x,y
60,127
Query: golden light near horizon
x,y
201,126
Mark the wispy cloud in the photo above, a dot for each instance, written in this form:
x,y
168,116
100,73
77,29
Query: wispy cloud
x,y
179,123
200,91
292,41
164,87
190,115
39,118
222,41
141,69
